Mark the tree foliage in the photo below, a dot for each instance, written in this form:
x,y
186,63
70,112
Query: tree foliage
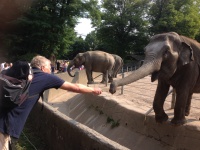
x,y
47,27
79,46
92,40
181,16
123,29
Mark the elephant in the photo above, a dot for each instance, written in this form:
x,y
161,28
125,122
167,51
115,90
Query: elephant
x,y
118,65
97,61
173,60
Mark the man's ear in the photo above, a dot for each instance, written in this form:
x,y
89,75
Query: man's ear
x,y
42,68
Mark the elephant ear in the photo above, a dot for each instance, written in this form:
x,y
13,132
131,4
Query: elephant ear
x,y
186,54
79,55
80,58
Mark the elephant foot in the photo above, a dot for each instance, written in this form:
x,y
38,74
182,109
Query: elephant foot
x,y
178,122
103,82
90,82
109,81
187,112
161,118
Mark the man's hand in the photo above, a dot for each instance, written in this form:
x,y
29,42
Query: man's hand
x,y
97,91
80,88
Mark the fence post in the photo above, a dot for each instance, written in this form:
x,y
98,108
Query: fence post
x,y
78,77
122,88
173,99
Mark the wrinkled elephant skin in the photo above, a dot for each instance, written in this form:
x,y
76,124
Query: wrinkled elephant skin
x,y
175,61
118,65
94,61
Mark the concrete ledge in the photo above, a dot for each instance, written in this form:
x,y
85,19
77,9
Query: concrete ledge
x,y
85,128
185,137
62,133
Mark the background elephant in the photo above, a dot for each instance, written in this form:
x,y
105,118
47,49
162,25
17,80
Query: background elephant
x,y
118,65
175,61
97,61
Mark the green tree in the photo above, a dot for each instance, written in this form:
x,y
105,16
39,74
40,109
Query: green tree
x,y
92,41
79,46
124,26
181,16
47,27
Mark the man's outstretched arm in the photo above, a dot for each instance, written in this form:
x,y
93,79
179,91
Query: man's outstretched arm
x,y
80,88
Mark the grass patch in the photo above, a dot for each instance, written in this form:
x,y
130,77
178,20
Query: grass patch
x,y
109,119
29,140
113,122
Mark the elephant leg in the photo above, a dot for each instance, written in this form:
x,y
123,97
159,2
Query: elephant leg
x,y
92,77
104,76
188,105
115,75
159,99
180,107
89,77
110,76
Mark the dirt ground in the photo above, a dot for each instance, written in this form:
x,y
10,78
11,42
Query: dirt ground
x,y
141,94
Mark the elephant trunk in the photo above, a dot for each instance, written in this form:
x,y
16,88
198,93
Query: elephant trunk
x,y
69,69
146,69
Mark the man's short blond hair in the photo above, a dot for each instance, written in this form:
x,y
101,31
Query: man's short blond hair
x,y
39,61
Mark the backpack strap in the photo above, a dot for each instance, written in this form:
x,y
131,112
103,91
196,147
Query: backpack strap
x,y
9,80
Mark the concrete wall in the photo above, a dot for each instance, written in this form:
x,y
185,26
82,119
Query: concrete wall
x,y
185,137
63,133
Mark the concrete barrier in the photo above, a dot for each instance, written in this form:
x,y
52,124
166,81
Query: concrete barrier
x,y
63,133
79,122
132,119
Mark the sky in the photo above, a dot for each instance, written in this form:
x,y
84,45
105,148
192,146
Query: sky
x,y
84,27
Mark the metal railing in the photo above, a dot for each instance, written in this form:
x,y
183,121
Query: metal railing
x,y
172,103
102,75
122,87
171,91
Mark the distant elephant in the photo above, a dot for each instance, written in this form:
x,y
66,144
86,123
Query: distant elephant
x,y
118,65
97,61
175,61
